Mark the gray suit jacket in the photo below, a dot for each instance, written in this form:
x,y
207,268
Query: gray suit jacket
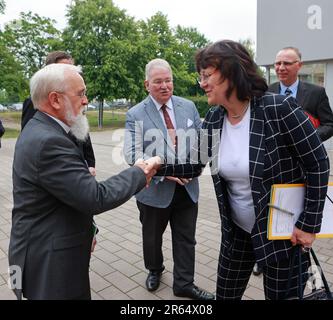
x,y
55,198
146,136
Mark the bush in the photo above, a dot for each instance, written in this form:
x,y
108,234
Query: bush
x,y
201,104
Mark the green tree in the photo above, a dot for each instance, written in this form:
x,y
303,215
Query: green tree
x,y
13,85
2,6
189,41
30,39
102,39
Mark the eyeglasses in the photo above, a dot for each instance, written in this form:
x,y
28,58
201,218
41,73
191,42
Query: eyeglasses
x,y
159,82
285,63
81,94
204,77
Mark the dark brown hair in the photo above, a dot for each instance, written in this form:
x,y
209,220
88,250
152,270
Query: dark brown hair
x,y
56,56
236,65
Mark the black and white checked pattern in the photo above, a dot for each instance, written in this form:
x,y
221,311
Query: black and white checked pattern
x,y
284,148
236,265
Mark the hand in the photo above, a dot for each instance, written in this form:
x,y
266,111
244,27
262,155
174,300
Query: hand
x,y
148,169
305,239
154,162
181,181
92,171
93,245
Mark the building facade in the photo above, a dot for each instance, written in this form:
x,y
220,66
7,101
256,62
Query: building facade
x,y
305,24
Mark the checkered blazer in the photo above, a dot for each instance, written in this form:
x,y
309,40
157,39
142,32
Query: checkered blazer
x,y
284,148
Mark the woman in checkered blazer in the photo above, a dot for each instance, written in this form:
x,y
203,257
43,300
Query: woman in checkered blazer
x,y
257,139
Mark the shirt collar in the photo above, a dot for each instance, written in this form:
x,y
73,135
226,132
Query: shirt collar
x,y
62,124
293,88
159,106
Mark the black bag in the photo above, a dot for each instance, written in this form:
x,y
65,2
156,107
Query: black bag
x,y
322,293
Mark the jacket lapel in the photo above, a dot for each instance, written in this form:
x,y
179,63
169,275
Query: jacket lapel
x,y
154,116
180,115
301,93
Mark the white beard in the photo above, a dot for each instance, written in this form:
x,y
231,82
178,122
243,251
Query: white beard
x,y
79,124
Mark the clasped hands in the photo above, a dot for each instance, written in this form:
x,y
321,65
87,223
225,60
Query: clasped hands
x,y
149,167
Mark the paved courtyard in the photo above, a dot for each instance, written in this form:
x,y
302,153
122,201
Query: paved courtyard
x,y
117,269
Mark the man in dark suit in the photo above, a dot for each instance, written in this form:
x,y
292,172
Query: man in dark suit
x,y
169,199
28,110
55,196
311,97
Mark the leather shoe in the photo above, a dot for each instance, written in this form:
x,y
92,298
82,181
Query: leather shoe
x,y
153,280
257,271
195,293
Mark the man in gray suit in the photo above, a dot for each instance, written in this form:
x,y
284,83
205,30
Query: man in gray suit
x,y
160,125
55,196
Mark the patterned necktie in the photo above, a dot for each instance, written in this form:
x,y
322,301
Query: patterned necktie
x,y
288,92
169,125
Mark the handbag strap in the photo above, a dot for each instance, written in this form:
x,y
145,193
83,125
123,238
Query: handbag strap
x,y
297,251
323,278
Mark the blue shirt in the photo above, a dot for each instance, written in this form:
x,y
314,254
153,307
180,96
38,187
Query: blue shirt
x,y
293,88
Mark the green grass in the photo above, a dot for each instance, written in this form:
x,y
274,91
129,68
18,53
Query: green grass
x,y
11,133
111,120
12,116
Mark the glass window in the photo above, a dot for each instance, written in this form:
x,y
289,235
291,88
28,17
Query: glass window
x,y
313,73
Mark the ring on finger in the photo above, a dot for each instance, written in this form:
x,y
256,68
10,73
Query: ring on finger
x,y
306,249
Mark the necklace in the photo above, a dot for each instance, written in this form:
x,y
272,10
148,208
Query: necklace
x,y
237,116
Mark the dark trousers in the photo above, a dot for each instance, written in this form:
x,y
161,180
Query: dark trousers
x,y
235,269
182,214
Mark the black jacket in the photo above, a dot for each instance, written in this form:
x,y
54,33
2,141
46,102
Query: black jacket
x,y
2,131
313,99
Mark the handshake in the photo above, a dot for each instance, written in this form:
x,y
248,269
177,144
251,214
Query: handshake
x,y
149,167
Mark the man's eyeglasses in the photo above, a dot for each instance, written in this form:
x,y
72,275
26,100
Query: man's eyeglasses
x,y
81,94
285,63
159,82
204,77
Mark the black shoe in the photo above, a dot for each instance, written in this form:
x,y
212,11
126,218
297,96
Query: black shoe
x,y
195,293
257,271
153,280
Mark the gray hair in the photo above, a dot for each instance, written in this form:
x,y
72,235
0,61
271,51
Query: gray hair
x,y
50,78
157,63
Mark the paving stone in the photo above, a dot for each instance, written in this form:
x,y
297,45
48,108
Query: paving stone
x,y
97,282
117,267
121,281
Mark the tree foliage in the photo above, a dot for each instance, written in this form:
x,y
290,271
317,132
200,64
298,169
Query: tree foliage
x,y
2,6
102,38
13,85
30,38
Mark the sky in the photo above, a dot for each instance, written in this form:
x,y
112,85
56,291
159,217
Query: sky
x,y
216,19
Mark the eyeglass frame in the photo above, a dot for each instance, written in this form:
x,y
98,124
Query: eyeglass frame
x,y
204,77
285,63
80,95
159,82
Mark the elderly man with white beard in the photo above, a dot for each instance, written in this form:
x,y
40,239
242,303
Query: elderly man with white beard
x,y
55,196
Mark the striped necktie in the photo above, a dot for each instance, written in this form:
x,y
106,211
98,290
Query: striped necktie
x,y
169,125
288,92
